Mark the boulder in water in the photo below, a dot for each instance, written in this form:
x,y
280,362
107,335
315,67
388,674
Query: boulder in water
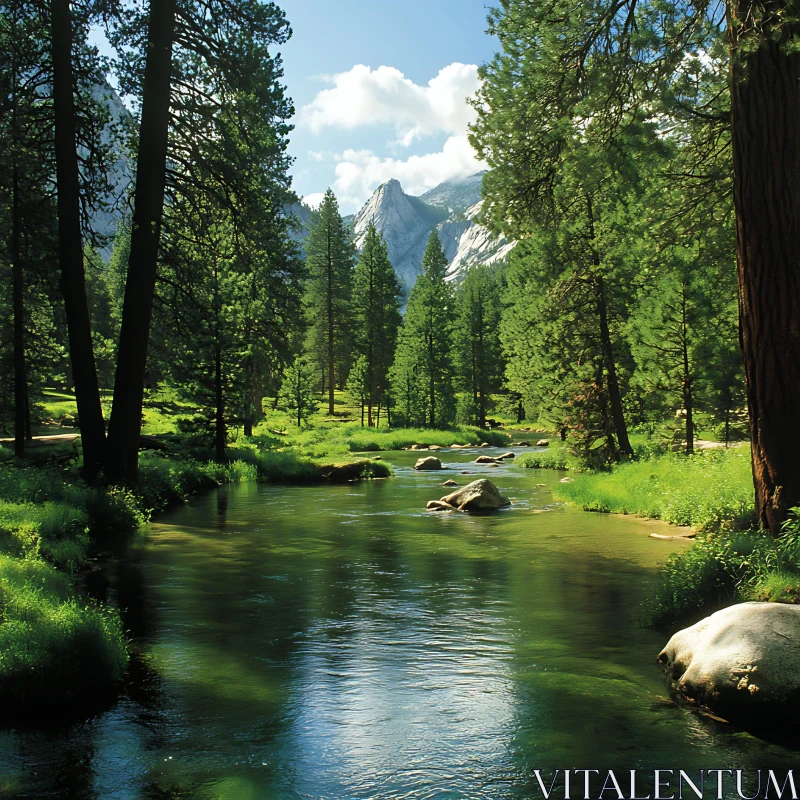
x,y
742,662
484,444
450,483
506,455
438,505
481,495
523,444
484,460
431,462
543,443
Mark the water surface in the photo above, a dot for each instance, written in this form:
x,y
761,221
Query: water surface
x,y
339,642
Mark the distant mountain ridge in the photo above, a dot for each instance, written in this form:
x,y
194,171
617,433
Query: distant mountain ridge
x,y
406,222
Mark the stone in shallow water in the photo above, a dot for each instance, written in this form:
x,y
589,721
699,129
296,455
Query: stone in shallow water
x,y
430,462
484,460
449,483
481,495
509,454
543,443
742,662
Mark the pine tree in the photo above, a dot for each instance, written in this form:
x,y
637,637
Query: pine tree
x,y
358,386
298,395
423,371
213,133
477,341
376,313
625,63
667,328
329,262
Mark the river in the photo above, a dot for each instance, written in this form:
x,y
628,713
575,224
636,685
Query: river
x,y
340,642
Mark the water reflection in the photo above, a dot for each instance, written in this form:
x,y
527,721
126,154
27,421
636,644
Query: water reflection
x,y
338,642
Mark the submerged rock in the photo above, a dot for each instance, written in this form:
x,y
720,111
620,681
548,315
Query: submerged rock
x,y
742,662
450,483
431,462
481,495
523,444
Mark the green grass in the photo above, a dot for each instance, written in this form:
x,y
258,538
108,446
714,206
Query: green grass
x,y
712,491
330,439
54,648
556,456
709,491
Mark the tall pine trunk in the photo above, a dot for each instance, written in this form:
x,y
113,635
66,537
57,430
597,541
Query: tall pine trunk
x,y
220,434
614,393
18,309
331,347
688,394
432,387
765,103
73,281
122,457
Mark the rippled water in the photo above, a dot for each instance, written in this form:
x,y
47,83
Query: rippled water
x,y
339,642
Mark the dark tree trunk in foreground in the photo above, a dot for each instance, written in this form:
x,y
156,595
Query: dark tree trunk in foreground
x,y
81,353
765,101
122,453
18,308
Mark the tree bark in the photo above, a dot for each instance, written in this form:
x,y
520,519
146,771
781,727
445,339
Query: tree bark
x,y
219,406
18,308
765,104
122,457
73,281
614,394
331,348
688,394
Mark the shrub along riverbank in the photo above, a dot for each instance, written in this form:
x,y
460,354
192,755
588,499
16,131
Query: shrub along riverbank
x,y
58,648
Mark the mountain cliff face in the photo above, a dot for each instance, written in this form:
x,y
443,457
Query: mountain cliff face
x,y
406,223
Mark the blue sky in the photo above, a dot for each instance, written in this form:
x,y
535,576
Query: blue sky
x,y
379,89
381,118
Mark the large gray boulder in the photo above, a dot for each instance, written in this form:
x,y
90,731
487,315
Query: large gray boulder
x,y
431,462
479,495
743,661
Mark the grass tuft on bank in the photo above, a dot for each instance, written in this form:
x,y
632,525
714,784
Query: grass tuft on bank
x,y
712,490
556,456
726,567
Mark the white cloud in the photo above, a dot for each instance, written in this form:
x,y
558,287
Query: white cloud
x,y
360,172
363,96
313,200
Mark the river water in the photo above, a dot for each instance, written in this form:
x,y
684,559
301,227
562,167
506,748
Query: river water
x,y
340,642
